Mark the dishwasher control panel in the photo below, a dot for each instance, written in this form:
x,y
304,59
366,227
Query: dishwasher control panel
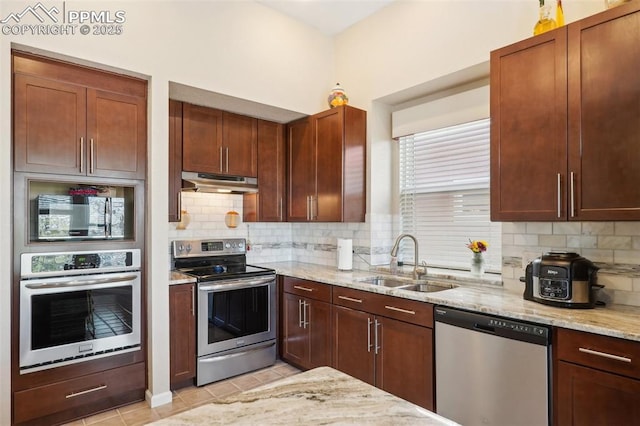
x,y
498,326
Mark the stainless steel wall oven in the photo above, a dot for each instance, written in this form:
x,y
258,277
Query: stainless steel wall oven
x,y
77,306
236,318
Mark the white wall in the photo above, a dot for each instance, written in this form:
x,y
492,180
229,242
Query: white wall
x,y
243,49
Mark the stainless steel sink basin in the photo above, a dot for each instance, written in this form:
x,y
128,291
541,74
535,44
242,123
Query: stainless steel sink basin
x,y
428,287
422,286
385,281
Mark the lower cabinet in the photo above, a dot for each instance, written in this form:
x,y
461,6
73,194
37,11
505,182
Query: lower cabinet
x,y
306,323
597,380
81,396
385,341
182,335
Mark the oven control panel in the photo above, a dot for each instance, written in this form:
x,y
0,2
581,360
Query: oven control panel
x,y
53,264
212,247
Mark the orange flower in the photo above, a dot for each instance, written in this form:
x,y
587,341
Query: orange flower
x,y
477,246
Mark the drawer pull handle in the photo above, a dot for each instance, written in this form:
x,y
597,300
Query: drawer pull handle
x,y
404,311
350,299
74,394
605,355
303,288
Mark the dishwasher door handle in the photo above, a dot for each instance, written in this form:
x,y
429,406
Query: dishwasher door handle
x,y
485,328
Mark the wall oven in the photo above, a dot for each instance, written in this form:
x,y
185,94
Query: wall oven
x,y
236,308
77,306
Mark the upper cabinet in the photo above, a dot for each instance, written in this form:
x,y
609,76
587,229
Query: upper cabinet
x,y
326,162
565,122
219,142
74,120
175,159
269,203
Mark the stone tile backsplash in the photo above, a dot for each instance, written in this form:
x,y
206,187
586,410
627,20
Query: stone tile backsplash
x,y
613,246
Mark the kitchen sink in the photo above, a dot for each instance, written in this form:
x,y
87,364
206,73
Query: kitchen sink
x,y
385,281
428,287
422,286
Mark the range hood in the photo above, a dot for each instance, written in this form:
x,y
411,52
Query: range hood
x,y
207,182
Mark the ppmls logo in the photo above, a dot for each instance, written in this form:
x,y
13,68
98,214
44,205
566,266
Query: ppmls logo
x,y
41,20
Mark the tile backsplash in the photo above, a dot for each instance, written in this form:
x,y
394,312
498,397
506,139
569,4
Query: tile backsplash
x,y
613,246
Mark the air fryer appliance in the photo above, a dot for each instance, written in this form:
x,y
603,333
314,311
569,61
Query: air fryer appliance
x,y
562,279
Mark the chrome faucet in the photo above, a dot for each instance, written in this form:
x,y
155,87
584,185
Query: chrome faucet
x,y
394,253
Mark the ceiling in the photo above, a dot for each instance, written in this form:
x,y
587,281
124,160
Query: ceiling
x,y
331,17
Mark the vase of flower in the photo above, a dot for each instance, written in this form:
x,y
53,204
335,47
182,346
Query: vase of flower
x,y
477,259
477,264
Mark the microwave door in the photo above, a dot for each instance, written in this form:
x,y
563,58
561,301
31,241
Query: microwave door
x,y
96,218
116,218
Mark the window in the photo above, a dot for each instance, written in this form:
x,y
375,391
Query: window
x,y
444,195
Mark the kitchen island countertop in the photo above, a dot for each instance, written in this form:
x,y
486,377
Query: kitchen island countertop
x,y
319,396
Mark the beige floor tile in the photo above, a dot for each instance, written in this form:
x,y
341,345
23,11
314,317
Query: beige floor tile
x,y
174,407
140,416
111,421
222,389
246,382
101,417
287,370
267,376
196,396
135,406
76,423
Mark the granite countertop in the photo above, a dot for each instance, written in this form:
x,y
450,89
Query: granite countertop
x,y
176,277
319,396
612,320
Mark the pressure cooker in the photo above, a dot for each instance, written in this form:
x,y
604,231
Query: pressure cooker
x,y
562,279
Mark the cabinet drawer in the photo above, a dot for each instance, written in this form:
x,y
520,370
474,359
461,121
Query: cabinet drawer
x,y
411,311
605,353
75,393
306,288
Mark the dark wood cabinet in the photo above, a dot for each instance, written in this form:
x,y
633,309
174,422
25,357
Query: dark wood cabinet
x,y
565,122
326,164
306,323
597,379
75,121
182,334
218,142
385,341
201,139
175,160
269,203
81,396
240,145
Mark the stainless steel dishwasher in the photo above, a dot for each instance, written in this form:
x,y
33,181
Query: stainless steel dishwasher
x,y
491,370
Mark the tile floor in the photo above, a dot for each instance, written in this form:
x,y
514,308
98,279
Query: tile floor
x,y
186,398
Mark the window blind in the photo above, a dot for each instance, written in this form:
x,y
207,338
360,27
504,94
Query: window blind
x,y
444,195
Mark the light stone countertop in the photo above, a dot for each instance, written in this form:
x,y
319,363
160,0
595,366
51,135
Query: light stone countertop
x,y
612,320
319,396
176,277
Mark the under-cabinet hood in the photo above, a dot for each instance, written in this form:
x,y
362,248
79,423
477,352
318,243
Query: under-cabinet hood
x,y
206,182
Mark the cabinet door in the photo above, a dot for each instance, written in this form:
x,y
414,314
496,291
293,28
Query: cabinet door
x,y
318,317
175,159
592,397
201,139
604,115
182,332
49,126
353,351
328,134
295,339
268,204
240,145
117,135
529,129
302,171
404,363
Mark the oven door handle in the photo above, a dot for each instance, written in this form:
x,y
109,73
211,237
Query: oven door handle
x,y
236,284
81,283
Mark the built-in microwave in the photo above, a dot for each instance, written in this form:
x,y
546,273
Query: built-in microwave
x,y
77,217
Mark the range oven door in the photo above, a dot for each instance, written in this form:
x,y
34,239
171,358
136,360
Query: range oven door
x,y
64,320
235,313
